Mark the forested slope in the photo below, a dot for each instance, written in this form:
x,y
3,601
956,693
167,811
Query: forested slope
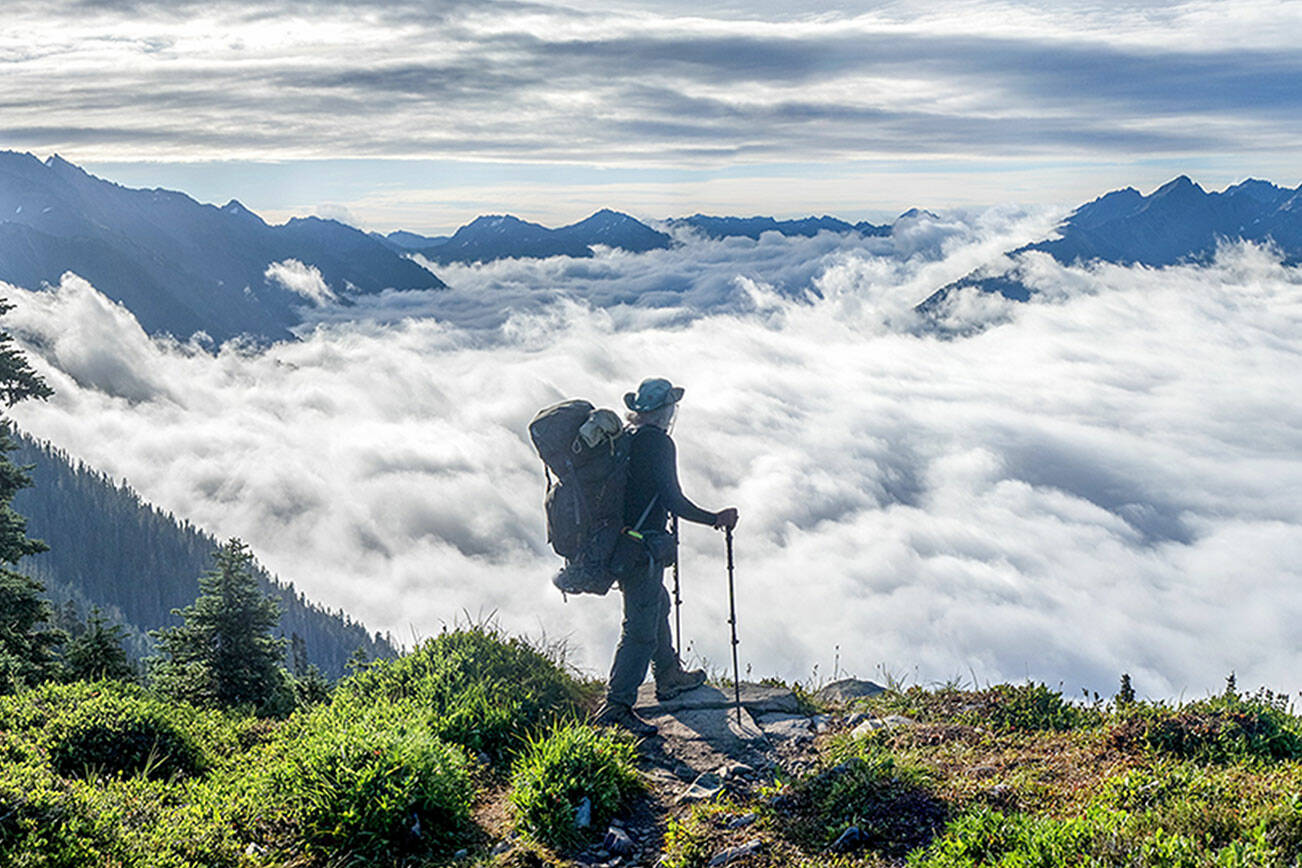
x,y
110,548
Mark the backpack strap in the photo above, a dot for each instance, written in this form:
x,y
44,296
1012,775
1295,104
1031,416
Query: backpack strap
x,y
634,531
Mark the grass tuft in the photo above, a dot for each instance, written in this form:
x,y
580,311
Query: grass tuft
x,y
560,769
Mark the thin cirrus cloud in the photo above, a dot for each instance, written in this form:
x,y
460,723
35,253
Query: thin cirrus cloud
x,y
1100,481
645,85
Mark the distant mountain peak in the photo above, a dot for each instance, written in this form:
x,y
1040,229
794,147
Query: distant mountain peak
x,y
59,164
1180,184
918,213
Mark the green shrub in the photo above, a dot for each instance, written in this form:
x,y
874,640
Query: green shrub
x,y
1279,827
114,733
862,785
1030,707
557,771
485,690
1100,836
43,823
1224,728
370,789
1198,802
989,837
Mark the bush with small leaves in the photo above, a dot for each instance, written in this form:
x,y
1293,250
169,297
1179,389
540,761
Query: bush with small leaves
x,y
1225,728
114,732
1030,707
559,770
373,789
486,691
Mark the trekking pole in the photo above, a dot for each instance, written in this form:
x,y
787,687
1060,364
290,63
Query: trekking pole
x,y
678,601
732,620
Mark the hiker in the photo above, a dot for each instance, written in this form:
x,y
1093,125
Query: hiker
x,y
652,494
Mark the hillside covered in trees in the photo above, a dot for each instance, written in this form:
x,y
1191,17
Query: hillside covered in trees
x,y
111,549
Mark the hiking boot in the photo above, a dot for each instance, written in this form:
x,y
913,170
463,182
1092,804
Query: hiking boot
x,y
678,681
623,716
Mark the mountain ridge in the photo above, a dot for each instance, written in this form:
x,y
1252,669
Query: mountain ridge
x,y
181,266
1178,222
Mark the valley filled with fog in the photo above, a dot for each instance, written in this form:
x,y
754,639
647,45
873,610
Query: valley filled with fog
x,y
1104,479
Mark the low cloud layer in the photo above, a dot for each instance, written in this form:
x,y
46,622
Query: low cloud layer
x,y
1104,480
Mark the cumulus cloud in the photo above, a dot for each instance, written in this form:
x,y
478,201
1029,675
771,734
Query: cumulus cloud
x,y
650,84
1104,480
304,280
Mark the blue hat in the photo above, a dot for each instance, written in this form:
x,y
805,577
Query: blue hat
x,y
653,394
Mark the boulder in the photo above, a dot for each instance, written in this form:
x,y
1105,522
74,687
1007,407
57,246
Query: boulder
x,y
847,690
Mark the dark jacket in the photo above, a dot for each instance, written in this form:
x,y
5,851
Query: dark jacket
x,y
653,472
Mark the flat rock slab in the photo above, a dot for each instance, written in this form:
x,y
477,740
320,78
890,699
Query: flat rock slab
x,y
780,725
703,739
755,698
718,726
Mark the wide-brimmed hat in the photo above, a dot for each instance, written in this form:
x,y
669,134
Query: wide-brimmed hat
x,y
652,394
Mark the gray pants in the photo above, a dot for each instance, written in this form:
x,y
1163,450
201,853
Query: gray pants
x,y
645,637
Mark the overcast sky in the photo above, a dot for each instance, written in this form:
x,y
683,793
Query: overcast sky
x,y
422,114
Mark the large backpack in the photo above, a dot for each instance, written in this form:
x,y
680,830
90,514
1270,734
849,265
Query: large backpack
x,y
585,451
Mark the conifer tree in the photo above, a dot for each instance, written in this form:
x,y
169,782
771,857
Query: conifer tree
x,y
27,642
96,651
310,686
224,653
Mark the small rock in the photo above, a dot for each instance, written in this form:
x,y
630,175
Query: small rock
x,y
866,727
850,839
855,719
617,841
730,771
704,788
617,822
822,722
983,771
743,821
603,854
873,723
736,853
484,759
255,850
583,816
502,847
461,854
779,801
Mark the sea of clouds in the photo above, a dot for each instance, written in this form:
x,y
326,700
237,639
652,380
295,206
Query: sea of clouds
x,y
1107,479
